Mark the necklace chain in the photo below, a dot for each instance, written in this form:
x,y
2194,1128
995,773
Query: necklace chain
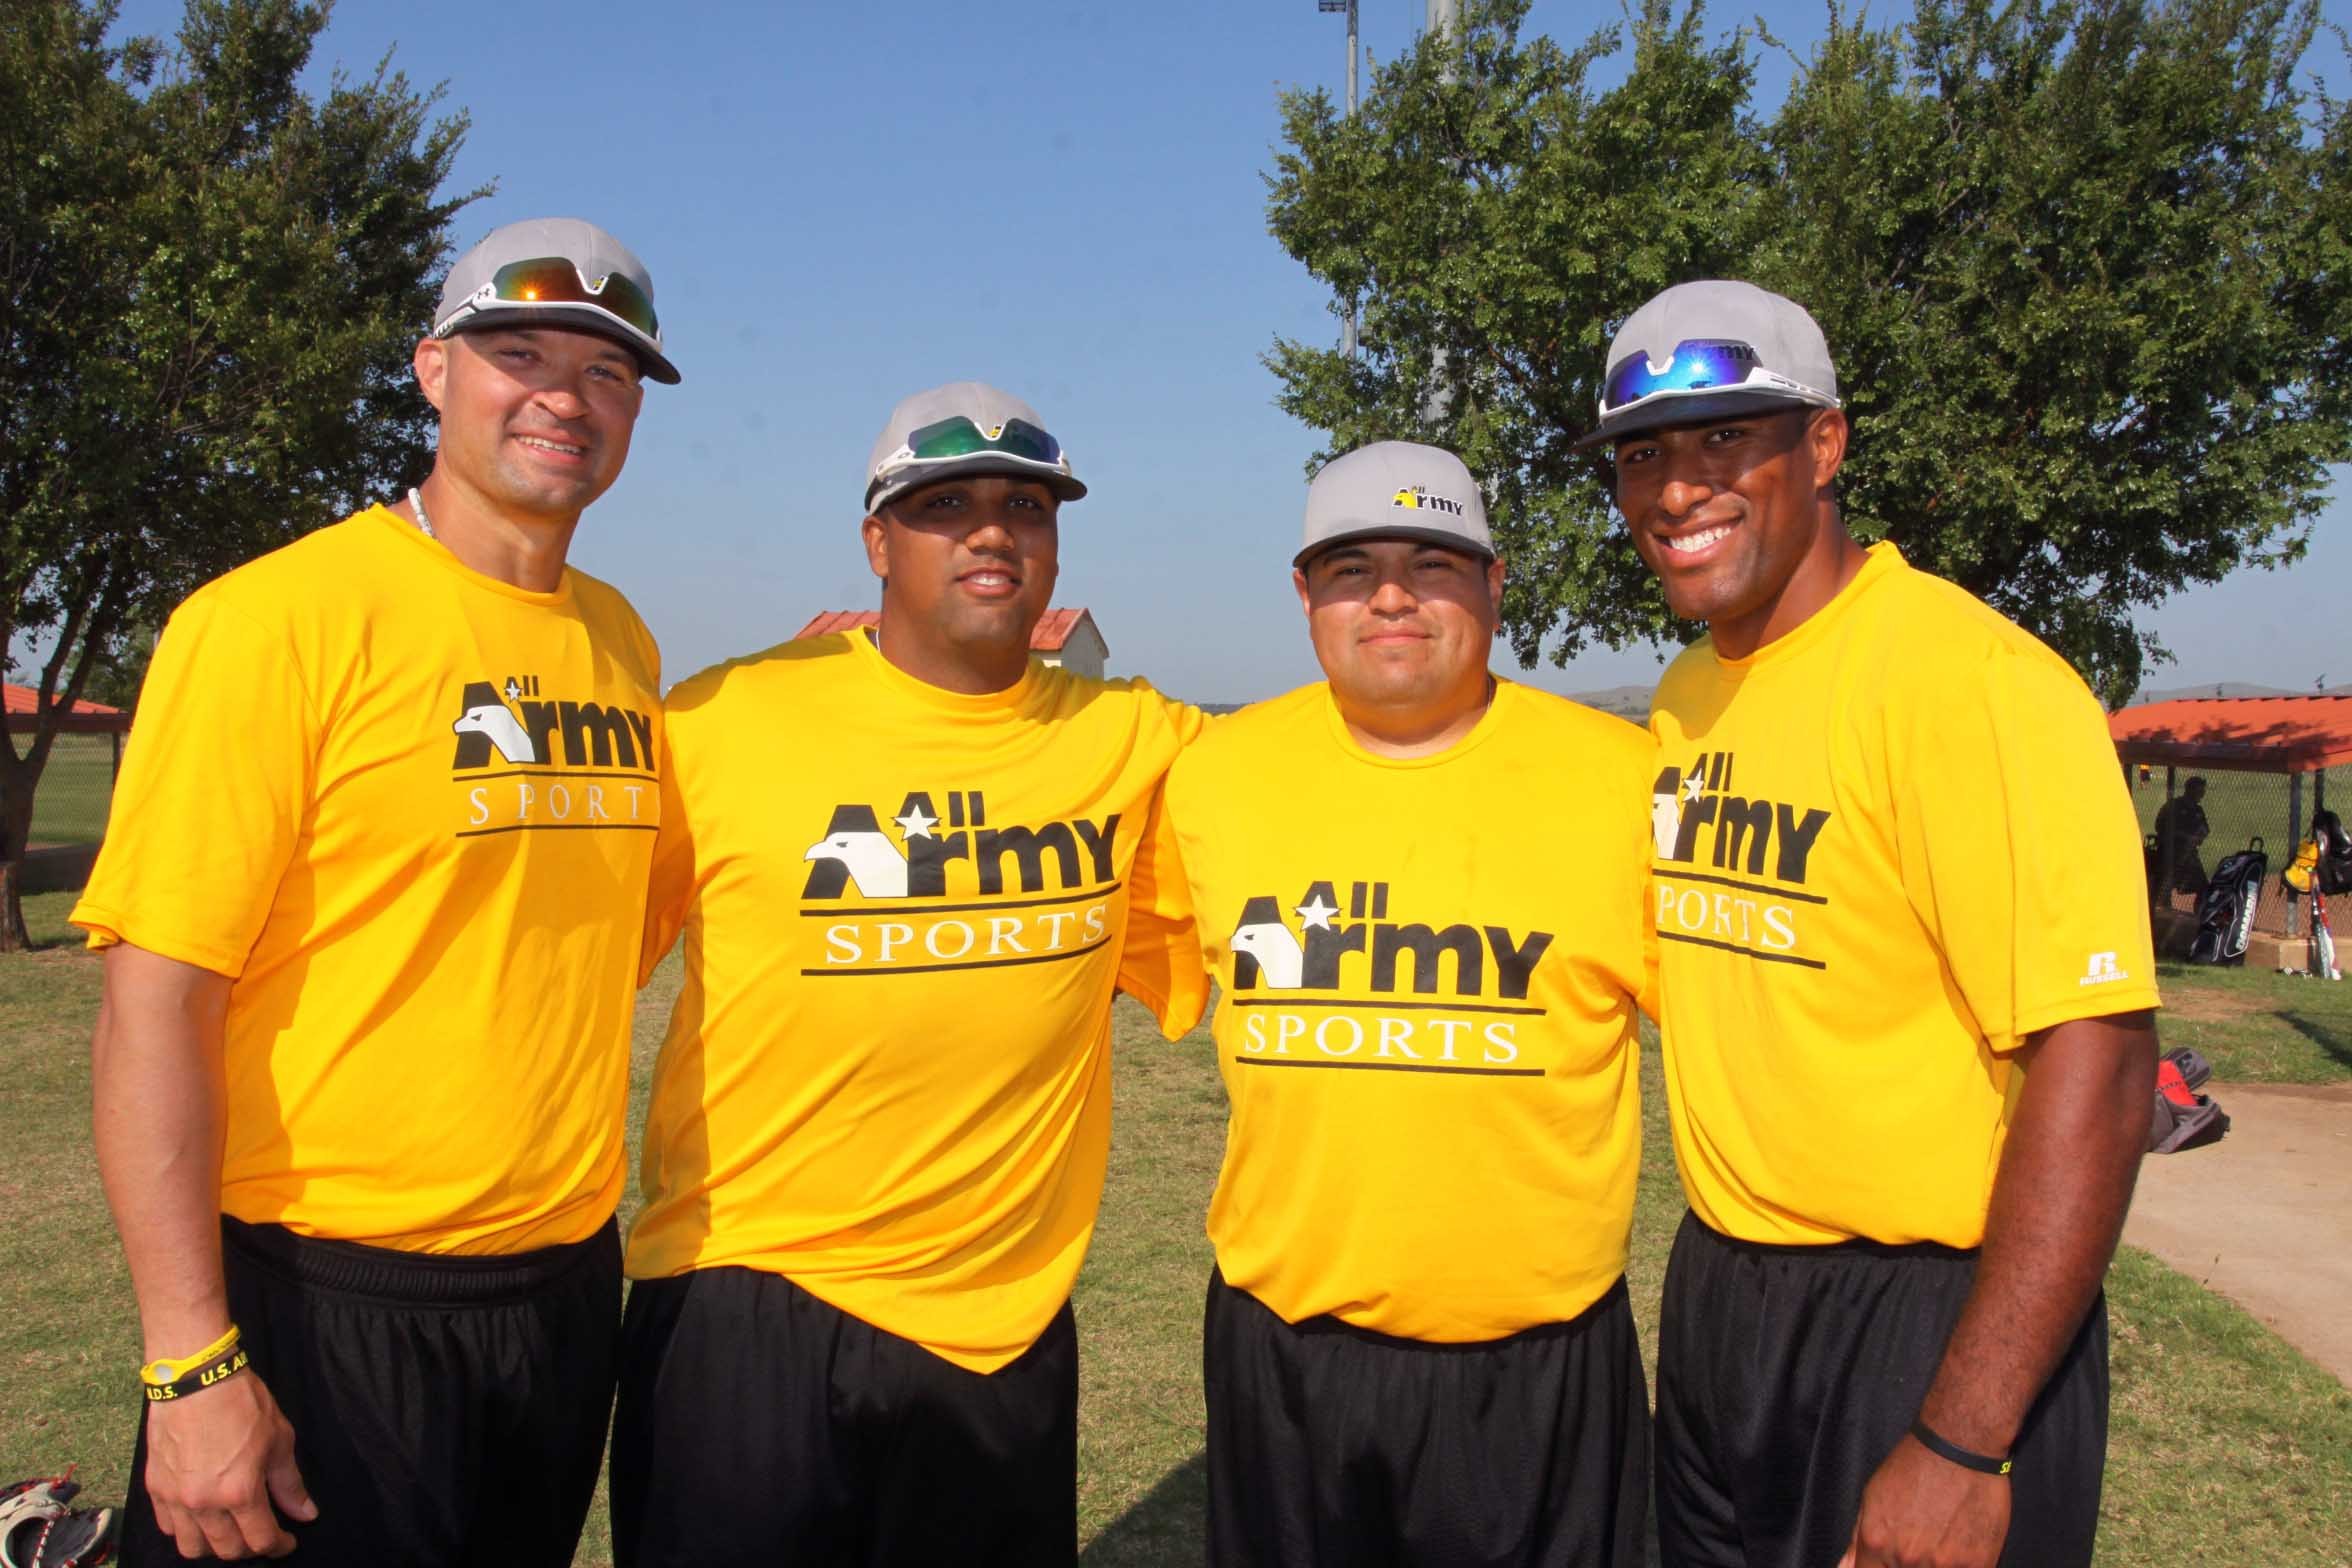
x,y
424,523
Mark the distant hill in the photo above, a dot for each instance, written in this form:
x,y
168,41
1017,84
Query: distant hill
x,y
1631,702
2217,689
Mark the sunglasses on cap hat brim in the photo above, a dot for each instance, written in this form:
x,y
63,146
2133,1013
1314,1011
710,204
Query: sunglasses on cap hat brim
x,y
958,439
1704,378
548,282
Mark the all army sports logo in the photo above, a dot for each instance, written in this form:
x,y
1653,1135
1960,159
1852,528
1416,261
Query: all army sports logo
x,y
1750,898
951,890
528,763
1348,987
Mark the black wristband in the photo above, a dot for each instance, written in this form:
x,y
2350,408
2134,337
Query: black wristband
x,y
198,1378
1936,1445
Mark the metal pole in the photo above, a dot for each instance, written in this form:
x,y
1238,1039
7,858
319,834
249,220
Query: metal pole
x,y
1444,19
1350,344
1347,337
2294,840
2164,840
1351,59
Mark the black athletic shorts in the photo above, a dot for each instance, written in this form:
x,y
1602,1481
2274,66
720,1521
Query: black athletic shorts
x,y
1786,1375
448,1411
760,1426
1336,1447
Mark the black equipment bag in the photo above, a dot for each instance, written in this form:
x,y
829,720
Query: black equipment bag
x,y
2335,854
2225,910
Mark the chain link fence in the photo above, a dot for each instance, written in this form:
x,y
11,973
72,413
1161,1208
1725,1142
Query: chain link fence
x,y
2191,821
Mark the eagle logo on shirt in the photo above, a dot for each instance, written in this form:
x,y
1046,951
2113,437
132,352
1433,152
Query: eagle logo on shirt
x,y
857,852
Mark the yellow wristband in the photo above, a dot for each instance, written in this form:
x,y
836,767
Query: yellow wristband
x,y
199,1377
158,1374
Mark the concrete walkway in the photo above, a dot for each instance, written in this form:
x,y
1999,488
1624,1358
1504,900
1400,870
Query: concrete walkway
x,y
2265,1215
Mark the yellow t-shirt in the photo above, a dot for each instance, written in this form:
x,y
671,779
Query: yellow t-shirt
x,y
1428,970
1890,846
409,810
905,909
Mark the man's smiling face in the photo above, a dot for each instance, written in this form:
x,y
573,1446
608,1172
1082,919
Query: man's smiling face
x,y
1731,512
535,420
968,568
1401,625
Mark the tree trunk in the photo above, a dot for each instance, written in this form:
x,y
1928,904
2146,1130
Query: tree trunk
x,y
13,936
18,777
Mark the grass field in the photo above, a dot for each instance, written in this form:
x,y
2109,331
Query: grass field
x,y
2259,1027
2228,1448
69,807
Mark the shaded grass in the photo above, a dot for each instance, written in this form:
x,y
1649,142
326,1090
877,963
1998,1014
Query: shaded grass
x,y
1141,1493
2256,1026
2227,1446
69,804
69,1349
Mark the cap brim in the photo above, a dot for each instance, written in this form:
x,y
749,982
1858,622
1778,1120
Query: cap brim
x,y
1435,536
571,318
1695,408
882,492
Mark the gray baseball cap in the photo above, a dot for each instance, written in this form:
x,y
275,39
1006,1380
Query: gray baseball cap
x,y
965,427
1710,350
604,289
1395,490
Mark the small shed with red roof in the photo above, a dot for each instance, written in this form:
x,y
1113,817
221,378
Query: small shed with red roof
x,y
2245,734
1067,638
83,718
2298,737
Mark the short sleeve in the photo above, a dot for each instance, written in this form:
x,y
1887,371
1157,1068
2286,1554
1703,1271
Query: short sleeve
x,y
216,788
2019,847
670,888
1161,964
1646,998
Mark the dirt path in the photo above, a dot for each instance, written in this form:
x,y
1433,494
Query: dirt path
x,y
2265,1215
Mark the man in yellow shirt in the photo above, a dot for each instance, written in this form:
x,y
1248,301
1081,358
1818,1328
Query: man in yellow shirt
x,y
910,867
371,897
1421,890
1905,981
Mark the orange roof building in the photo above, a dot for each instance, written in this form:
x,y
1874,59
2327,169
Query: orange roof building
x,y
2245,734
1068,638
2290,736
83,718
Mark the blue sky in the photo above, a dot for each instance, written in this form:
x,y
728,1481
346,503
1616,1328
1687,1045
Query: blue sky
x,y
842,204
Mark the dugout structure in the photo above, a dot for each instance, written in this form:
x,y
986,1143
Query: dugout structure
x,y
2269,764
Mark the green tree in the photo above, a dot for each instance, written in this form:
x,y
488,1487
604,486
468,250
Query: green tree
x,y
118,674
213,284
2084,265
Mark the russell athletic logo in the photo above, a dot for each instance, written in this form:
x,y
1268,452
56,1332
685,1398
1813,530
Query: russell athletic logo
x,y
1403,995
530,762
948,889
1731,868
2103,969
